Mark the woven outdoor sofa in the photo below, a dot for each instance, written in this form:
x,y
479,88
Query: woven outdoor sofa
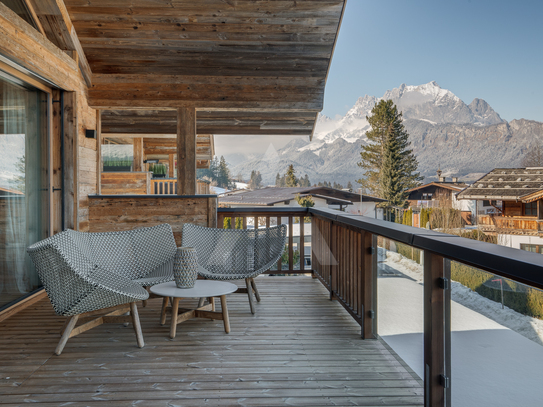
x,y
87,274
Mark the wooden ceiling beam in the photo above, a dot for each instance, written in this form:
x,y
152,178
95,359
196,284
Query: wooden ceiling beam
x,y
58,28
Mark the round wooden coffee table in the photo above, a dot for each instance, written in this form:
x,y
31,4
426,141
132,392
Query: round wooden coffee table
x,y
202,289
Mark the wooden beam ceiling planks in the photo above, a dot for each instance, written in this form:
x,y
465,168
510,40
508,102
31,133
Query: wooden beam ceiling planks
x,y
57,26
242,56
211,122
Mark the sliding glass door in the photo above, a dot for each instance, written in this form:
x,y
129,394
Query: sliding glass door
x,y
24,184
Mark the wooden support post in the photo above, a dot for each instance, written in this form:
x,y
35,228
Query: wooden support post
x,y
290,243
71,154
366,290
138,154
98,151
301,245
171,165
435,377
186,151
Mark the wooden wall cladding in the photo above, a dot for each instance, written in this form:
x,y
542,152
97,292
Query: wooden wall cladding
x,y
126,183
512,208
113,213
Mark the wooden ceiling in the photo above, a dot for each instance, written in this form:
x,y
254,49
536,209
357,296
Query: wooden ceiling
x,y
209,122
247,66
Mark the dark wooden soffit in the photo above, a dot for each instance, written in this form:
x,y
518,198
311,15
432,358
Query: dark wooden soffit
x,y
212,54
209,122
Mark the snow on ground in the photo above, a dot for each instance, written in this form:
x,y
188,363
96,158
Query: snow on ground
x,y
491,364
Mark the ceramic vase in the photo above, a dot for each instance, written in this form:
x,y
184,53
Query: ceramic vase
x,y
185,267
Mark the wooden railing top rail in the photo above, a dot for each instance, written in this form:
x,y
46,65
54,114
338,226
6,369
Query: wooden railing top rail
x,y
522,266
264,211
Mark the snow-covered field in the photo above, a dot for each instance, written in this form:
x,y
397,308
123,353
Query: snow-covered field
x,y
497,357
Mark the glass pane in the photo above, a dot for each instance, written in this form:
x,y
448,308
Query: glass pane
x,y
400,312
496,340
23,186
117,157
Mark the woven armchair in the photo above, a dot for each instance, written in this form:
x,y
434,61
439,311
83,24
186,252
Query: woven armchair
x,y
90,274
230,254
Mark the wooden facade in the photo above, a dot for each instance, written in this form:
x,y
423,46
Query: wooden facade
x,y
117,212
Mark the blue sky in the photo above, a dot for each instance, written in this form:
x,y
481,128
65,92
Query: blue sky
x,y
489,49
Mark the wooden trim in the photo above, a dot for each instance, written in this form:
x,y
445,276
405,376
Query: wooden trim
x,y
367,284
71,153
434,330
24,77
22,304
30,8
99,151
50,160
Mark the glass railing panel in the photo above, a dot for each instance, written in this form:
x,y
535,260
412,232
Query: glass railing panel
x,y
496,340
400,301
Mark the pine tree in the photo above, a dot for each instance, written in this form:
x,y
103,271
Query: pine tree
x,y
290,178
389,163
223,174
349,186
277,180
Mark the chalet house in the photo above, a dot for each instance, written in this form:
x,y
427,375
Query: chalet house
x,y
324,197
516,195
165,77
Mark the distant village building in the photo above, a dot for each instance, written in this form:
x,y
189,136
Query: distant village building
x,y
516,197
441,194
324,197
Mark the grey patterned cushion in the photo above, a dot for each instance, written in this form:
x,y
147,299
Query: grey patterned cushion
x,y
87,271
234,254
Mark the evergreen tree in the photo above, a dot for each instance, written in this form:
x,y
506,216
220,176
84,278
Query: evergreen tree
x,y
389,163
349,186
277,180
256,180
290,178
223,174
307,183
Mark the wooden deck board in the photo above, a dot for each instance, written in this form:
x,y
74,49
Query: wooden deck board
x,y
299,349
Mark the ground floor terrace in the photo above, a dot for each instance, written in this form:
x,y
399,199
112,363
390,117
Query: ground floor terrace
x,y
299,348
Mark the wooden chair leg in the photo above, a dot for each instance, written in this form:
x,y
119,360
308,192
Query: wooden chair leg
x,y
212,302
66,335
163,310
250,295
257,294
201,302
136,322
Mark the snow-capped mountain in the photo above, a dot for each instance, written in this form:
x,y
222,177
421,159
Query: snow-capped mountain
x,y
464,140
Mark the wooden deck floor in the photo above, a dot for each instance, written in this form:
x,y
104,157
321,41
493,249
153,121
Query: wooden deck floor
x,y
299,349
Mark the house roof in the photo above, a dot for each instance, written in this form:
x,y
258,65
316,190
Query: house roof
x,y
274,195
453,186
506,184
